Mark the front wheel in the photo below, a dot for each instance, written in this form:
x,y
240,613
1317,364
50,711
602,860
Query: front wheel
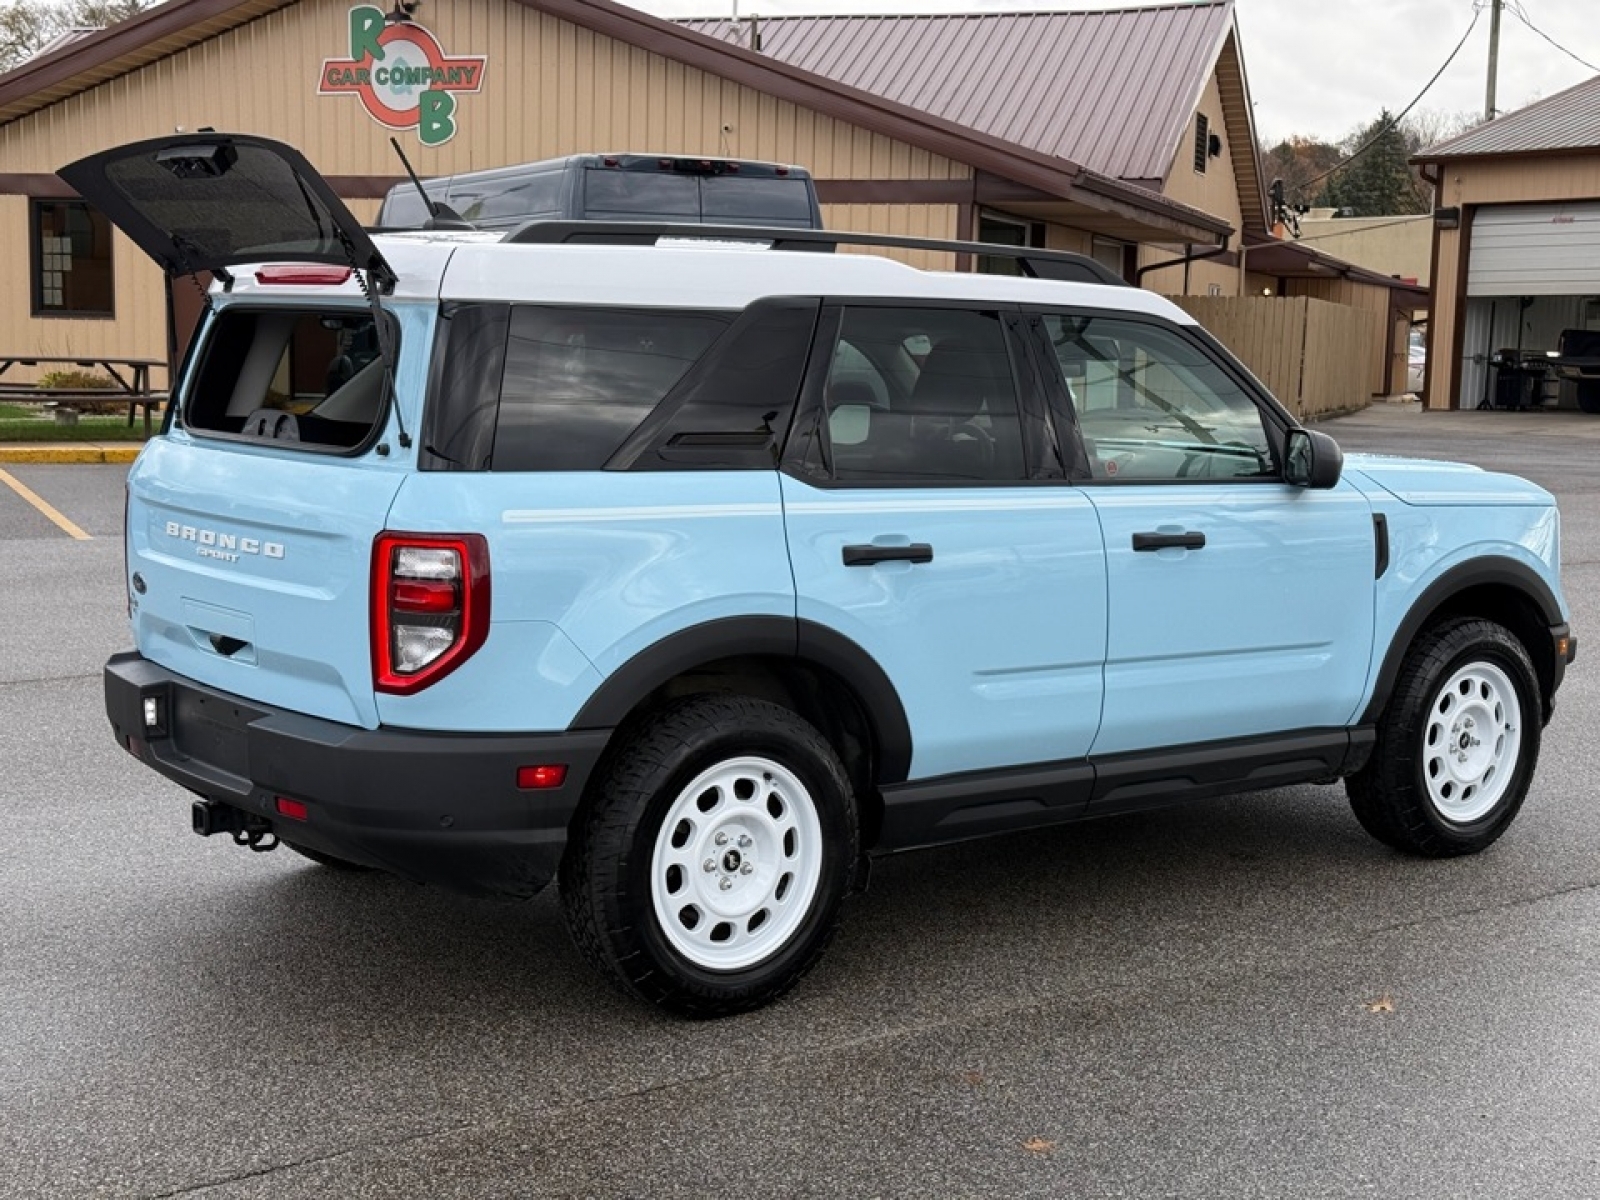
x,y
709,868
1456,746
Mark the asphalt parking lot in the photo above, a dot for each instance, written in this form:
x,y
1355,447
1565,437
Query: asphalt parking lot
x,y
1241,998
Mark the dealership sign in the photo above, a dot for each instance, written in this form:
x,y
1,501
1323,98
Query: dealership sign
x,y
402,76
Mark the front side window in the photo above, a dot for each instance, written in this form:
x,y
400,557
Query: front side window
x,y
1151,405
922,394
71,254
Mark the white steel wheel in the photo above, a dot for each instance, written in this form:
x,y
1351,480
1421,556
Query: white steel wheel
x,y
708,868
737,861
1471,739
1455,747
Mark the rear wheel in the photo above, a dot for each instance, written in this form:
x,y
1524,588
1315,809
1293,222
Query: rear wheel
x,y
1456,746
708,871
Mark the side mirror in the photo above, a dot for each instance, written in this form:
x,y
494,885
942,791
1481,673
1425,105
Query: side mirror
x,y
1312,459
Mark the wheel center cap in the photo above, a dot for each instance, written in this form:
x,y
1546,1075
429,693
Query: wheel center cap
x,y
731,860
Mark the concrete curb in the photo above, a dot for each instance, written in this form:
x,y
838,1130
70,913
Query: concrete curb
x,y
70,452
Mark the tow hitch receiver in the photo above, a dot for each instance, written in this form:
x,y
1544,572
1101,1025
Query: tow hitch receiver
x,y
247,829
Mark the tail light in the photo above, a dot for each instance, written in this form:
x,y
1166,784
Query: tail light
x,y
430,606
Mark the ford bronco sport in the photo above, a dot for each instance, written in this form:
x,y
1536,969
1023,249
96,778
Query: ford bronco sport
x,y
691,573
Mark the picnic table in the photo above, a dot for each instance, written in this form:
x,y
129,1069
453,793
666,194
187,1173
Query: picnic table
x,y
131,377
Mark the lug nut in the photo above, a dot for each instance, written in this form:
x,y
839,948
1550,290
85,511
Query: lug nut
x,y
725,883
721,839
746,869
710,865
744,841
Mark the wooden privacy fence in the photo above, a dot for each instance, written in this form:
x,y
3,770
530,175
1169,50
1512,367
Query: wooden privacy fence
x,y
1317,358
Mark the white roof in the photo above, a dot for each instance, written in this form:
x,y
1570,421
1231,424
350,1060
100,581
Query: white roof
x,y
732,277
475,266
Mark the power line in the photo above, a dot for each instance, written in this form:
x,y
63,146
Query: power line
x,y
1521,14
1477,11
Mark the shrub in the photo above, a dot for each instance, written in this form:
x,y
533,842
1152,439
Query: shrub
x,y
75,380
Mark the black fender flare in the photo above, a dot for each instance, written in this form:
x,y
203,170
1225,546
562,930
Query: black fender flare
x,y
1493,570
774,637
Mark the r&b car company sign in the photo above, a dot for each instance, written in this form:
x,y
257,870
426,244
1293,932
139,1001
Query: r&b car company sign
x,y
403,77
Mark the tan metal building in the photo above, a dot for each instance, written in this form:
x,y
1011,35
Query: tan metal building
x,y
1149,162
1516,244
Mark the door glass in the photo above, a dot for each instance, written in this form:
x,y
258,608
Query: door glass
x,y
1153,406
923,393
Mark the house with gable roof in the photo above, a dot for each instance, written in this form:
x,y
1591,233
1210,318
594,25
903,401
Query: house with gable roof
x,y
1123,134
1516,253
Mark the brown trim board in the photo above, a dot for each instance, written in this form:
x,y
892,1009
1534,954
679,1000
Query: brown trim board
x,y
894,191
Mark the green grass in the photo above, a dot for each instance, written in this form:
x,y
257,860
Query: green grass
x,y
21,425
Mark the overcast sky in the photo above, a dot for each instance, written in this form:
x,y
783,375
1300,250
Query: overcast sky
x,y
1324,67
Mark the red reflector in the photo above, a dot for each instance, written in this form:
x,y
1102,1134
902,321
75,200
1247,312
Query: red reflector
x,y
135,747
303,273
551,776
293,809
424,595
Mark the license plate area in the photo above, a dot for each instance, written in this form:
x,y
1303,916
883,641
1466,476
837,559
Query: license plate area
x,y
213,731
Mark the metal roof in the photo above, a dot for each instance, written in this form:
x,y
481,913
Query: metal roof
x,y
170,27
1567,121
1113,90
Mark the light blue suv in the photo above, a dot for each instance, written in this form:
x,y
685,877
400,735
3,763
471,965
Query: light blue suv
x,y
691,570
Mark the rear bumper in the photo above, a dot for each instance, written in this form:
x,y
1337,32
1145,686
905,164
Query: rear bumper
x,y
438,808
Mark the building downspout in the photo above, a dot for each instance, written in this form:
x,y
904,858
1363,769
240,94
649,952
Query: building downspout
x,y
1189,256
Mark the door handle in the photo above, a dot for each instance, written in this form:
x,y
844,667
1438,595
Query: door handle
x,y
865,556
1169,541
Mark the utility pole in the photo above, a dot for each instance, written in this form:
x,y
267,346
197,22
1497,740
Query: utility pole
x,y
1494,58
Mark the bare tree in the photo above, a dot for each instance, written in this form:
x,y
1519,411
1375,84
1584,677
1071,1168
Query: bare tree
x,y
26,25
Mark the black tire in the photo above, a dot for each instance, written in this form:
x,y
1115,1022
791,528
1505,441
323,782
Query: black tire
x,y
326,860
635,892
1433,786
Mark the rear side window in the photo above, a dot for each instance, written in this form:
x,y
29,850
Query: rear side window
x,y
527,196
405,209
304,378
577,381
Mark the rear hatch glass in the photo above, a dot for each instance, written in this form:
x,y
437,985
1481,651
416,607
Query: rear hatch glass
x,y
207,202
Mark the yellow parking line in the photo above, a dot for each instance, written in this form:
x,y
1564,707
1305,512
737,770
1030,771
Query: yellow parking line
x,y
43,505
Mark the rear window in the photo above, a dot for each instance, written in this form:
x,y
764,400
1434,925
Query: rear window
x,y
755,201
577,381
306,378
640,193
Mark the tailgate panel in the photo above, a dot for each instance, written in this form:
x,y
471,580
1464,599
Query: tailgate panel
x,y
255,565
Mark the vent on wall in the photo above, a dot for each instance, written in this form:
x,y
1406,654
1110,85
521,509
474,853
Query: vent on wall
x,y
1202,142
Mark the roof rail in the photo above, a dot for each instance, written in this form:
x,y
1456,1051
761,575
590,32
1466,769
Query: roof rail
x,y
1061,265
